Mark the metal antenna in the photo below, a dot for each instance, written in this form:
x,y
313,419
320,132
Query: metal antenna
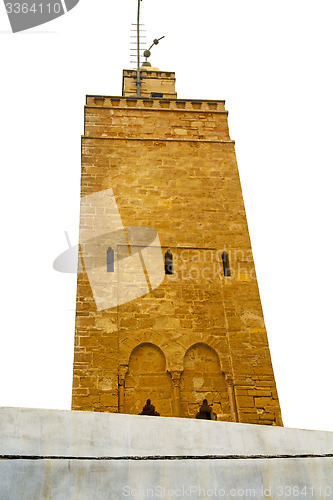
x,y
138,76
146,53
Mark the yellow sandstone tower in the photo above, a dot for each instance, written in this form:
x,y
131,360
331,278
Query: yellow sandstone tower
x,y
200,334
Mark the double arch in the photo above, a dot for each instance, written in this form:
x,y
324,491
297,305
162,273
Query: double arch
x,y
176,378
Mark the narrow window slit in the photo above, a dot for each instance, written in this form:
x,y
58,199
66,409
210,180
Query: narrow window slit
x,y
225,262
110,260
168,262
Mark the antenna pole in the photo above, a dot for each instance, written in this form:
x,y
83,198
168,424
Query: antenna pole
x,y
138,77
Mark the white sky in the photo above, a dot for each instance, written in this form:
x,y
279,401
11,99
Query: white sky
x,y
272,63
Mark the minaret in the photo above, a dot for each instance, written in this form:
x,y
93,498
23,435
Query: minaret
x,y
198,333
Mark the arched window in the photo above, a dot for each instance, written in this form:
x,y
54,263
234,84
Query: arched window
x,y
225,262
168,262
110,260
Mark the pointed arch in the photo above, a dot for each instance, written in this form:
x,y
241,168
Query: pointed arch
x,y
202,378
147,378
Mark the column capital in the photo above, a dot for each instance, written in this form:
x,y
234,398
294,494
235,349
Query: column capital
x,y
122,372
175,377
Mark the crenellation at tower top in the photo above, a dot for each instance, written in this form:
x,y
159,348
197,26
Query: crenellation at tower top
x,y
177,119
212,105
153,81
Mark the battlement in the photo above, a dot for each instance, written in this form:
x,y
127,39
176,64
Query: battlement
x,y
152,81
128,117
124,102
150,73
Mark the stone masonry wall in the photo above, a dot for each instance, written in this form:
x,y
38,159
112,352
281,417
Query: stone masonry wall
x,y
172,167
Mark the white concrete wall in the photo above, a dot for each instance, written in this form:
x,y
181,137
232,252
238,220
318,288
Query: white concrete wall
x,y
50,454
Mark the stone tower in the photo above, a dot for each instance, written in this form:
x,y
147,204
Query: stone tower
x,y
200,334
